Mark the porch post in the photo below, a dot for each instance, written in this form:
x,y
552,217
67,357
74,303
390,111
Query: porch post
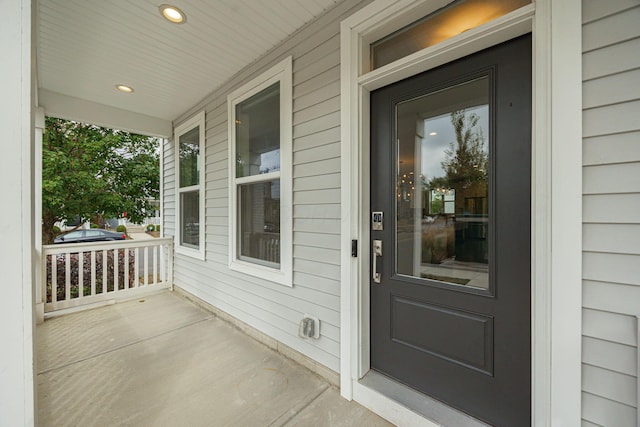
x,y
17,395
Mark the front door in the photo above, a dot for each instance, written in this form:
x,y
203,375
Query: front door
x,y
450,202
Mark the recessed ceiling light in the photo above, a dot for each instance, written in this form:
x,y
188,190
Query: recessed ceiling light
x,y
433,133
172,14
124,88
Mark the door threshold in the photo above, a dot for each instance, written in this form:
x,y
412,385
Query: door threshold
x,y
403,405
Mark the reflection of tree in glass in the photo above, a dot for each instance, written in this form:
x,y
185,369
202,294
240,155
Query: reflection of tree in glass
x,y
188,164
467,160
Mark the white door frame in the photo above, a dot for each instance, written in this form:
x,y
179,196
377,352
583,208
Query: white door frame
x,y
556,203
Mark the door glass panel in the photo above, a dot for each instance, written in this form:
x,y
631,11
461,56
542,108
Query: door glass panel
x,y
442,185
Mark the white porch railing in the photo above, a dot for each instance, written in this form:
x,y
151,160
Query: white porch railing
x,y
85,273
155,220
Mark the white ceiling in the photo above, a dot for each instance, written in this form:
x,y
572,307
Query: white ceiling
x,y
86,47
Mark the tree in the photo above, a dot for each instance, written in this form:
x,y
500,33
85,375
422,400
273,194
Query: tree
x,y
467,160
90,172
440,183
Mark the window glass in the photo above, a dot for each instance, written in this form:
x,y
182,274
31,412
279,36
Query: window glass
x,y
449,21
259,221
189,158
190,219
258,133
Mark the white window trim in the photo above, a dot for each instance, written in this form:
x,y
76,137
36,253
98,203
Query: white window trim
x,y
197,120
556,145
281,72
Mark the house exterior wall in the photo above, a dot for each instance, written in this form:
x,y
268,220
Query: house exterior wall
x,y
271,308
611,224
611,210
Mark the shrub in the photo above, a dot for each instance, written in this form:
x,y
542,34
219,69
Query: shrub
x,y
84,263
121,229
95,226
157,227
56,230
150,227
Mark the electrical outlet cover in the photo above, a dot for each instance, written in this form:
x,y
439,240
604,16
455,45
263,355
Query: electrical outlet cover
x,y
309,327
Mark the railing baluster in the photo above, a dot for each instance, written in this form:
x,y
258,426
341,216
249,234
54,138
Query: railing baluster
x,y
67,277
44,280
126,269
155,265
146,266
93,272
54,277
105,288
115,270
170,264
136,267
163,273
80,274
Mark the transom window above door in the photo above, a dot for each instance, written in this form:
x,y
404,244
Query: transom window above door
x,y
455,18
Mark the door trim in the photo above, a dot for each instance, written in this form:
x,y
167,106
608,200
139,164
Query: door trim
x,y
556,204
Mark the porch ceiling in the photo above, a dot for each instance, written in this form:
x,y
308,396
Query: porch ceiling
x,y
84,48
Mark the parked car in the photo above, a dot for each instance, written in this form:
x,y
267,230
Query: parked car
x,y
92,235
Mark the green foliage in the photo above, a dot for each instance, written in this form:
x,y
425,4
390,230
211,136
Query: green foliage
x,y
90,171
121,229
157,227
151,227
95,226
189,171
436,207
56,230
467,160
439,183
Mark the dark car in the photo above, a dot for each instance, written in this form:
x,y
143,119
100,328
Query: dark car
x,y
91,235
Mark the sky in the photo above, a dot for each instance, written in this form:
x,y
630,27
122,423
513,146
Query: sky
x,y
434,146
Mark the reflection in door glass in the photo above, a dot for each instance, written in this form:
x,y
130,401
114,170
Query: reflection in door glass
x,y
442,186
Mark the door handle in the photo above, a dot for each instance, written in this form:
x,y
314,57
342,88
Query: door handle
x,y
377,251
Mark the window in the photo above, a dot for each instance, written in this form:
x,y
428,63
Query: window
x,y
189,139
260,238
445,23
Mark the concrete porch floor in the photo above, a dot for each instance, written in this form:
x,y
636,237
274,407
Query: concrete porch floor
x,y
163,361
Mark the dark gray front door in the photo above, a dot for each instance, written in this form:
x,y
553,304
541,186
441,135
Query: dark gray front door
x,y
450,170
